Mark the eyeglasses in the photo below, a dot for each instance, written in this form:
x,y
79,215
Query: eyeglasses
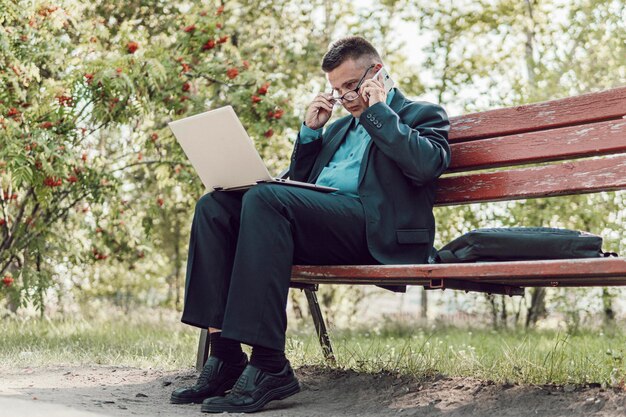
x,y
354,93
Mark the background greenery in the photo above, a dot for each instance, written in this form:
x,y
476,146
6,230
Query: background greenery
x,y
97,197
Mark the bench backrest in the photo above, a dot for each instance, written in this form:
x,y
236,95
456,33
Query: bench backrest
x,y
571,130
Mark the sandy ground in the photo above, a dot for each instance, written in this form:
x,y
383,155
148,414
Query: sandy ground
x,y
121,391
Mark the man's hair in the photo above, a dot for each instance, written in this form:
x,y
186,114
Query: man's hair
x,y
351,47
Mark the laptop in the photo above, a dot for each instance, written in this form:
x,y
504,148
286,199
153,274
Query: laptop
x,y
223,154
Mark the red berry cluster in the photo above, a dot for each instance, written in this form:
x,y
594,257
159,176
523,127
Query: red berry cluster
x,y
275,114
8,196
65,101
210,44
98,256
232,72
14,113
7,280
263,89
46,11
2,222
46,125
52,182
132,47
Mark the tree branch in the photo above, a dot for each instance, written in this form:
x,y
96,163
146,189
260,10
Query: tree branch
x,y
10,232
215,80
51,220
152,162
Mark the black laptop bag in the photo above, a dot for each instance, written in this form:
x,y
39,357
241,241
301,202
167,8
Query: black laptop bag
x,y
521,243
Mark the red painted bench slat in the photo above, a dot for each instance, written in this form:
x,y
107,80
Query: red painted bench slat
x,y
573,177
601,138
586,108
550,273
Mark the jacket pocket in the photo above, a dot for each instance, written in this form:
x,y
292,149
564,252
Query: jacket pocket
x,y
413,236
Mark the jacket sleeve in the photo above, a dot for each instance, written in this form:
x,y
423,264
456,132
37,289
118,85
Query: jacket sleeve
x,y
303,158
418,142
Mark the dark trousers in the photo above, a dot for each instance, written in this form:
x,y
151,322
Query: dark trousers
x,y
242,248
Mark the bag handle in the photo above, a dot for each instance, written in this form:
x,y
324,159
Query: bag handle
x,y
446,256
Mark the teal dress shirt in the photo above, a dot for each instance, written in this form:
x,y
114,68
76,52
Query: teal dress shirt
x,y
342,171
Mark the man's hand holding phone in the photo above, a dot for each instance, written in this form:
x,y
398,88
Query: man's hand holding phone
x,y
373,92
319,111
375,89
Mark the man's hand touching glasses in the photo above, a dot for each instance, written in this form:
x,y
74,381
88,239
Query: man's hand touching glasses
x,y
319,111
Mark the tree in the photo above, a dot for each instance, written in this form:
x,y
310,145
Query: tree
x,y
84,118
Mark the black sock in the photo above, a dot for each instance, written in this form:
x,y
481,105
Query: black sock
x,y
268,360
227,350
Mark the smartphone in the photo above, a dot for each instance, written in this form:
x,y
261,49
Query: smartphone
x,y
383,75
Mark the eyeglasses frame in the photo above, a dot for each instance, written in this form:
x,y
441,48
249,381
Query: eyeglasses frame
x,y
356,89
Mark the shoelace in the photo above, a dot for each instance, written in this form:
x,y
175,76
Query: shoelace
x,y
238,389
206,373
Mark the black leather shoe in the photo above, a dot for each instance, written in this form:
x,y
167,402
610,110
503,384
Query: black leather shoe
x,y
216,378
253,390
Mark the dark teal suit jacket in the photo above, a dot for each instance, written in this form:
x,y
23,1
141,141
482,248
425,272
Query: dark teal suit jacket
x,y
408,151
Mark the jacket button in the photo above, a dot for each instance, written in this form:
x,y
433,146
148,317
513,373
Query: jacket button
x,y
379,125
369,116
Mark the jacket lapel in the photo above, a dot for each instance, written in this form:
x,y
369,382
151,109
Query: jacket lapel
x,y
329,150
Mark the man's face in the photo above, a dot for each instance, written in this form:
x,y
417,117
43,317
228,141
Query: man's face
x,y
346,77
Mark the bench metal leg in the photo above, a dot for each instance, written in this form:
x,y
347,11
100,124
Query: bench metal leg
x,y
203,349
320,325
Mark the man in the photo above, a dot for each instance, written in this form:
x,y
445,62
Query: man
x,y
383,157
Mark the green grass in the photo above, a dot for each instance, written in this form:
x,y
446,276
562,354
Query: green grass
x,y
516,356
162,342
159,342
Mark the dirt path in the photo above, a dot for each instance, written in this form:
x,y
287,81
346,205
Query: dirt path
x,y
121,391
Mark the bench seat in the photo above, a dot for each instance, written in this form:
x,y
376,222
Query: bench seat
x,y
551,273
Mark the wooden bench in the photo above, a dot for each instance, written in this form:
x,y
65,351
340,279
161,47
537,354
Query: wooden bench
x,y
562,133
